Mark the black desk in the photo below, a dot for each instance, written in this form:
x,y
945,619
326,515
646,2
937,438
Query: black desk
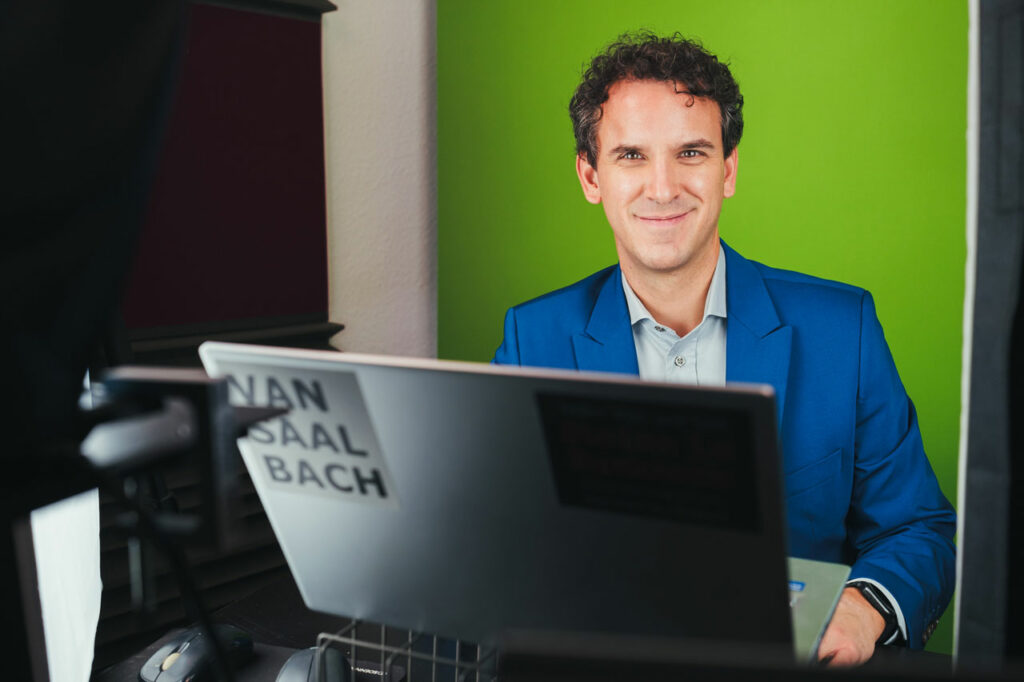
x,y
280,624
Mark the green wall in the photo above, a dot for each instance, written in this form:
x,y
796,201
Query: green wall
x,y
852,164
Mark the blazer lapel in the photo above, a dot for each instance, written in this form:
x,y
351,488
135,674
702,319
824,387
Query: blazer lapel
x,y
606,345
758,345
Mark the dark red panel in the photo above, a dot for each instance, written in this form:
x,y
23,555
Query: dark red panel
x,y
236,224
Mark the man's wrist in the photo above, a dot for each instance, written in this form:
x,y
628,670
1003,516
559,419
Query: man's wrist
x,y
873,596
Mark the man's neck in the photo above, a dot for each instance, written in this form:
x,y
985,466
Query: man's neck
x,y
675,298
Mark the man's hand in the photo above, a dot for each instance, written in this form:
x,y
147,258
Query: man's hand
x,y
851,635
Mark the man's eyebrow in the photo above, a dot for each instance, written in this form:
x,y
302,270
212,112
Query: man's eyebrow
x,y
699,143
624,149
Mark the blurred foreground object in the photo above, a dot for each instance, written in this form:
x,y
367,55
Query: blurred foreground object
x,y
85,89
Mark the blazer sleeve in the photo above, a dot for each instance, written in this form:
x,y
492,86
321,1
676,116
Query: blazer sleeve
x,y
508,351
901,526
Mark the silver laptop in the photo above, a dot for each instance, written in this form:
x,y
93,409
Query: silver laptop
x,y
814,589
467,500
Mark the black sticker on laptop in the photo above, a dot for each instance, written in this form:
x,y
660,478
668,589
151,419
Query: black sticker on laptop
x,y
654,459
325,445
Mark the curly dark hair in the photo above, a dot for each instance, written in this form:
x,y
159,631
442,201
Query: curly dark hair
x,y
646,56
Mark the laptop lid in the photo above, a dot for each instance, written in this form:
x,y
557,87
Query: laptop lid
x,y
465,500
814,590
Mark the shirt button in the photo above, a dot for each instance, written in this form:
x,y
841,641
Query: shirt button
x,y
680,360
658,328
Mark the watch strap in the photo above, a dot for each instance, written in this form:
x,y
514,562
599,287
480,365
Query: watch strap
x,y
881,604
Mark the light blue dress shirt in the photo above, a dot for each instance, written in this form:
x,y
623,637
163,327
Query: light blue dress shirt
x,y
698,357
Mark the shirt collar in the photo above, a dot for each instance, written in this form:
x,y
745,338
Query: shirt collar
x,y
714,304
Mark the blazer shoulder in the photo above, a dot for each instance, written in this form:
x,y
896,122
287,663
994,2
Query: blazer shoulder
x,y
578,297
787,285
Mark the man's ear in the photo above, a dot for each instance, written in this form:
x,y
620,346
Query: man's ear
x,y
731,163
588,179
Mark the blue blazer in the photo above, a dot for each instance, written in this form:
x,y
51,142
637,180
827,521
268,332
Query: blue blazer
x,y
859,488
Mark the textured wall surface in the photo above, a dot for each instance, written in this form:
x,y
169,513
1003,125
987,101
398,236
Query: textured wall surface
x,y
379,106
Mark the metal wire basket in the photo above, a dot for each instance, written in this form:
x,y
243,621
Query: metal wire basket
x,y
378,653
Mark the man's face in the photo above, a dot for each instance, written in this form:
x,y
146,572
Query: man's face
x,y
661,175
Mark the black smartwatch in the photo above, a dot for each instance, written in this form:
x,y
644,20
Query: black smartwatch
x,y
877,599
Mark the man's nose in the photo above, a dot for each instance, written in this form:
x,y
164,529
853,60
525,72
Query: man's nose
x,y
664,182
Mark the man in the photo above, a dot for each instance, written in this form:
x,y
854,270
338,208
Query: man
x,y
657,123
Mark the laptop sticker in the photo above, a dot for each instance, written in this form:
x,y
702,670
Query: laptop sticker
x,y
325,445
796,590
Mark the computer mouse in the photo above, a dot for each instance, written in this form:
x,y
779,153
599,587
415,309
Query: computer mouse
x,y
189,656
301,667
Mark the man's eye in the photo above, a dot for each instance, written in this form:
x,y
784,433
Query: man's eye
x,y
632,156
691,153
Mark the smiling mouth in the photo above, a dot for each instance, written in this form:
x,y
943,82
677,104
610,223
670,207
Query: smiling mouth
x,y
661,220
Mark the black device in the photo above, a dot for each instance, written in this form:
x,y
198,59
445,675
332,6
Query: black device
x,y
302,666
181,417
190,655
881,604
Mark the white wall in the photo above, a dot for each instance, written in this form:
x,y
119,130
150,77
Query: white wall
x,y
379,112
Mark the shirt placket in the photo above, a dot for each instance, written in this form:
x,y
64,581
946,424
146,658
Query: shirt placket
x,y
681,361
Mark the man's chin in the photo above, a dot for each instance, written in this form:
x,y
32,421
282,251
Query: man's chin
x,y
674,260
666,260
664,266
